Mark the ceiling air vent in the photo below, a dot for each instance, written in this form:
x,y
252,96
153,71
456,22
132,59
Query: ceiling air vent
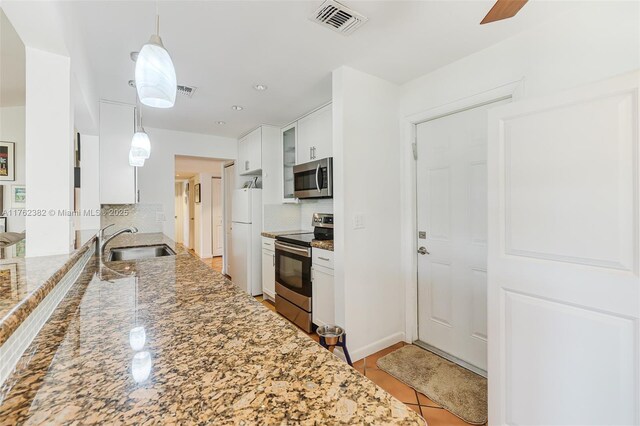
x,y
338,17
187,91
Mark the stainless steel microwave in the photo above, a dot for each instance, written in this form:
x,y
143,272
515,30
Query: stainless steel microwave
x,y
314,179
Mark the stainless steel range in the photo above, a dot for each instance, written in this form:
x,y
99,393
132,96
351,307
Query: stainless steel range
x,y
293,271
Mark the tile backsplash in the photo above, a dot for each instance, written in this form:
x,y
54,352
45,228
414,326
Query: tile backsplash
x,y
290,217
145,217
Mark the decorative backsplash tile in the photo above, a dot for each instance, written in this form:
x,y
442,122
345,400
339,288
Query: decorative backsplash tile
x,y
146,217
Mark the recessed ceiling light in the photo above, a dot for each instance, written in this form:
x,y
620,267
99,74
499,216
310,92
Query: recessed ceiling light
x,y
221,122
260,87
237,108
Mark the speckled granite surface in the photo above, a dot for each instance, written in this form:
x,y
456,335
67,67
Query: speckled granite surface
x,y
211,355
273,234
25,282
325,245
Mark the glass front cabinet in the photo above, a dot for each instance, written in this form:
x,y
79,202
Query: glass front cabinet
x,y
289,136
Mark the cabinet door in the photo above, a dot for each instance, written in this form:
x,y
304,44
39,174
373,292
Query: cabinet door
x,y
269,274
250,152
315,135
117,177
322,299
289,148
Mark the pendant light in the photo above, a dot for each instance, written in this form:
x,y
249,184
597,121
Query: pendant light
x,y
156,81
140,143
134,159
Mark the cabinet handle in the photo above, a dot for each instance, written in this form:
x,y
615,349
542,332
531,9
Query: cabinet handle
x,y
314,152
246,165
323,258
310,153
273,256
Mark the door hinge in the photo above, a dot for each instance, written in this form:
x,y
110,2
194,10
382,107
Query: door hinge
x,y
414,147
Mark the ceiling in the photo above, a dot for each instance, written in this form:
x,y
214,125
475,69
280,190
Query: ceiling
x,y
224,48
12,65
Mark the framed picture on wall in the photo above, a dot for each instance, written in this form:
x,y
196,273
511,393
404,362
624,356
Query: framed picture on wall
x,y
18,196
3,224
7,161
196,194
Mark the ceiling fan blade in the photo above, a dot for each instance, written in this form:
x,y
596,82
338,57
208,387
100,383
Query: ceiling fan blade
x,y
503,9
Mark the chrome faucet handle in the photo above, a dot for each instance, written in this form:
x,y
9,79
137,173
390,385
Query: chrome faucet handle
x,y
134,229
104,229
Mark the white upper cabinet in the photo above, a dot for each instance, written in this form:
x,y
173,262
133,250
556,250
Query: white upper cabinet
x,y
117,177
315,135
250,153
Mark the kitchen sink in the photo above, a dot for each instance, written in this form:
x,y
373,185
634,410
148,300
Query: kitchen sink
x,y
136,253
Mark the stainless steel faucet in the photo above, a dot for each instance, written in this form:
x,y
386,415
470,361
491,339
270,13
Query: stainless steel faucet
x,y
102,242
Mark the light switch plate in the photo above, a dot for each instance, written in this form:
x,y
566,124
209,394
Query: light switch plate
x,y
358,221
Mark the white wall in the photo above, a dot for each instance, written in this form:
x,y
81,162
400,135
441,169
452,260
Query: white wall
x,y
369,293
12,130
49,152
156,179
89,180
595,41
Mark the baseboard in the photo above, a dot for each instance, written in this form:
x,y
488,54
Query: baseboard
x,y
385,342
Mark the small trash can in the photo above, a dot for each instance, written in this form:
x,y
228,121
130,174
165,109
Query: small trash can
x,y
334,335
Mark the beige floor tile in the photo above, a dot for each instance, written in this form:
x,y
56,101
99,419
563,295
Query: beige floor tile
x,y
392,385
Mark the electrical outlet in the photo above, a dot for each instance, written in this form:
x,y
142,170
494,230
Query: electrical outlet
x,y
358,221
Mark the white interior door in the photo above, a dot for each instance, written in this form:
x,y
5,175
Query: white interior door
x,y
452,213
217,230
563,286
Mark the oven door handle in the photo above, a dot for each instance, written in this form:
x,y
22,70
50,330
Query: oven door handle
x,y
289,248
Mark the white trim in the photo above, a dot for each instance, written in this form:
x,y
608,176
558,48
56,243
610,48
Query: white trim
x,y
515,90
374,347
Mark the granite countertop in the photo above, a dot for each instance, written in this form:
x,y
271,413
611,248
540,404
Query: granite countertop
x,y
25,282
171,340
273,234
323,244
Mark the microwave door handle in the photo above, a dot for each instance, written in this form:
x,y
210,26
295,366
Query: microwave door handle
x,y
317,177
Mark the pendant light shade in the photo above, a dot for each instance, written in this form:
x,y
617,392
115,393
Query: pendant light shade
x,y
135,159
140,144
156,81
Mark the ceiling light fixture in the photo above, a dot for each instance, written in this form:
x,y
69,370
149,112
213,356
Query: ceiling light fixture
x,y
260,87
237,108
221,122
140,143
156,81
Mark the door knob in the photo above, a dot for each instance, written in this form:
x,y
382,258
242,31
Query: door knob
x,y
423,251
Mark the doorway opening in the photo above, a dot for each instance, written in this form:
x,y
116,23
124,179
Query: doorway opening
x,y
199,207
451,219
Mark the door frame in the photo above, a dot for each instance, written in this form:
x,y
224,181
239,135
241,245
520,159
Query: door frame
x,y
221,206
409,223
226,199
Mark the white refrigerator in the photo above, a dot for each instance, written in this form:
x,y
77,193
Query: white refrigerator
x,y
246,228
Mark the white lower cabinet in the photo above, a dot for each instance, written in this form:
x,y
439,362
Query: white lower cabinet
x,y
322,291
268,269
